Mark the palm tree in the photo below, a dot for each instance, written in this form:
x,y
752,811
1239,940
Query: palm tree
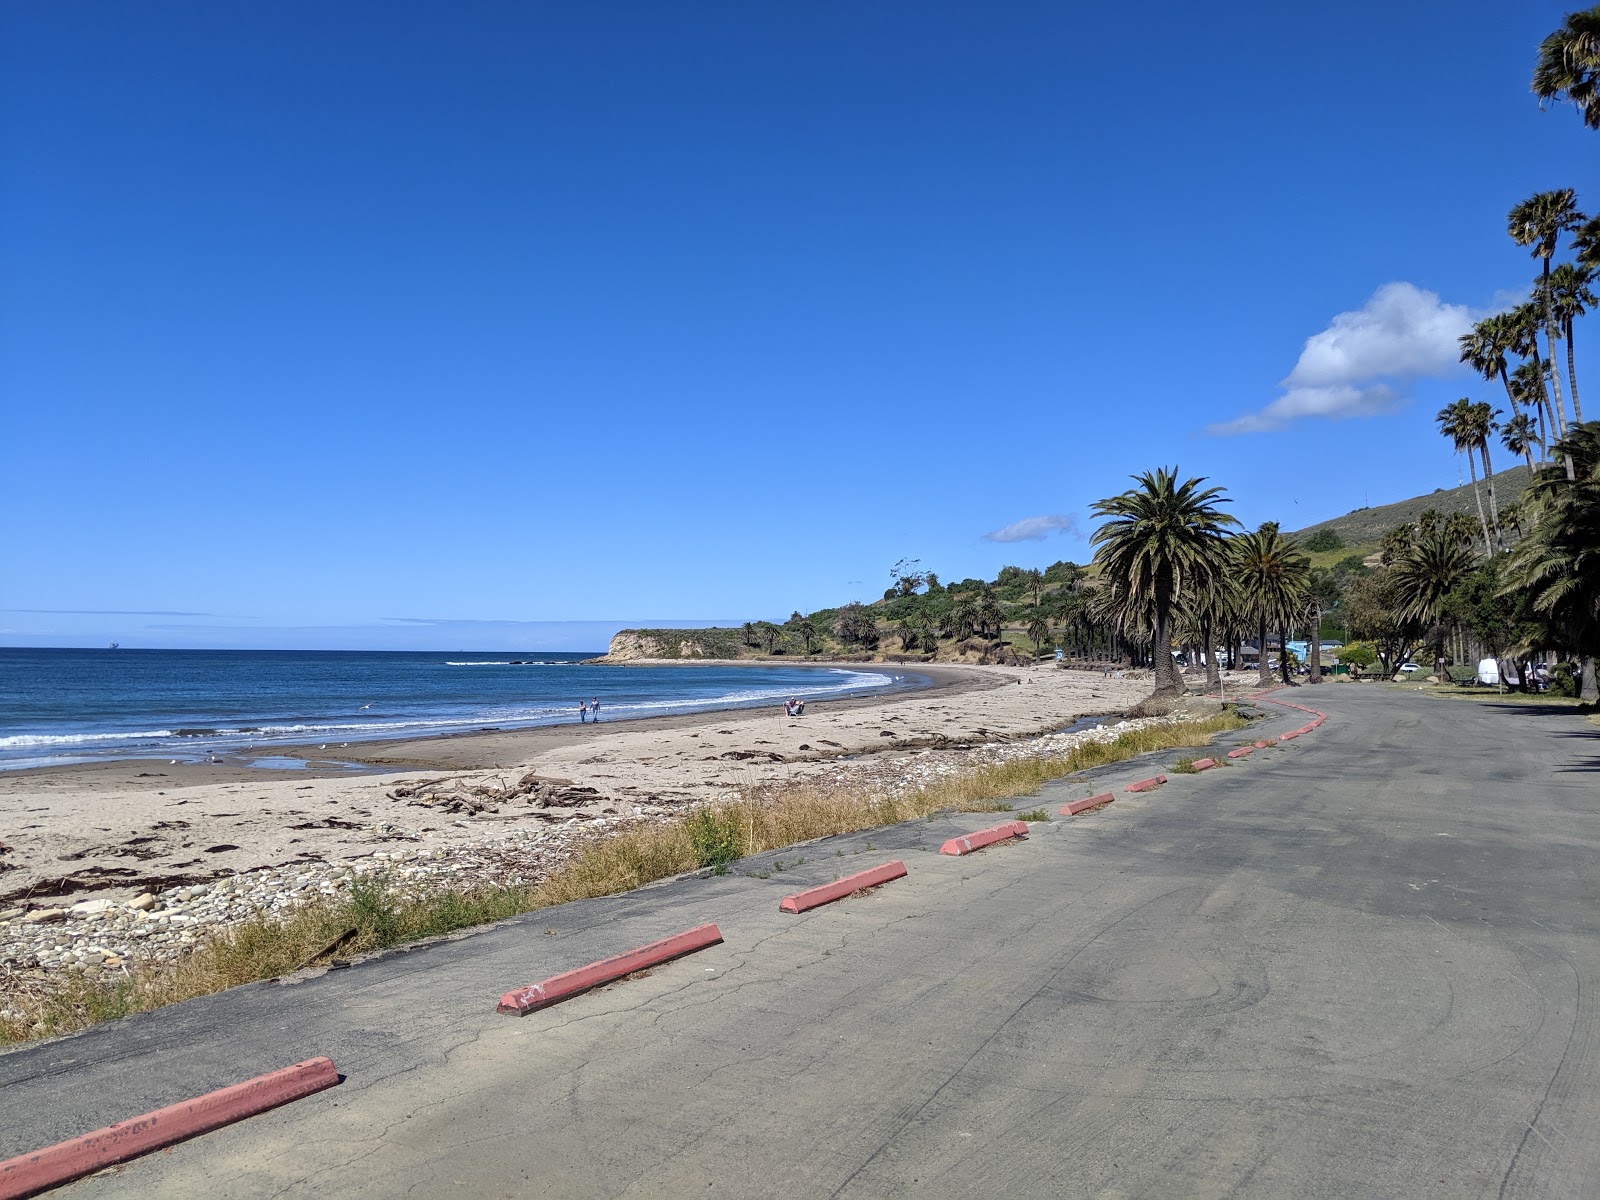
x,y
1557,563
1159,538
1538,222
1530,378
1033,580
1038,630
1485,350
964,618
1456,422
1529,391
769,633
1570,287
749,634
1569,65
1422,579
1272,576
1518,436
1482,425
807,631
990,617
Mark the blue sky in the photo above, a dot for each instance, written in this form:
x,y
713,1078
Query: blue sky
x,y
498,325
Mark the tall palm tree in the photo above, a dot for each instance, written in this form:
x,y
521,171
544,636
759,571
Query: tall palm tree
x,y
1033,580
1456,422
991,618
1038,630
1272,576
1569,65
1557,563
1518,436
1531,378
1526,381
964,616
1485,350
1160,538
1538,223
1483,425
1570,299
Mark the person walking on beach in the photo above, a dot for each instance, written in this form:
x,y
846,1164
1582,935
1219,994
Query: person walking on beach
x,y
594,707
583,712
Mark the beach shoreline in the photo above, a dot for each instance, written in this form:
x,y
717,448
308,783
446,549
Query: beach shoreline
x,y
85,841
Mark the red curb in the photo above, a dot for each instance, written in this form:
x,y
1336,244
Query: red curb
x,y
1203,764
827,893
1146,785
1288,737
984,837
564,986
1242,752
1261,745
29,1174
1081,806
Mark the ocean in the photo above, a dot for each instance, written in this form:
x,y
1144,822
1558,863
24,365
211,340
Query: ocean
x,y
73,706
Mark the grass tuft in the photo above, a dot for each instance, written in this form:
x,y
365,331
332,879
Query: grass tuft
x,y
378,914
1034,814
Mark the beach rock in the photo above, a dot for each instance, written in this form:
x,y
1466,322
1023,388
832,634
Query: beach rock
x,y
45,916
89,908
142,903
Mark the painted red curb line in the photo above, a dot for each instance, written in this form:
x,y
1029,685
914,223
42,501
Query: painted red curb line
x,y
580,979
1081,806
1203,764
827,893
984,837
1242,752
1146,785
29,1174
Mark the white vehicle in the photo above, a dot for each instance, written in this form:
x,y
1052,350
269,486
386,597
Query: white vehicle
x,y
1409,668
1489,673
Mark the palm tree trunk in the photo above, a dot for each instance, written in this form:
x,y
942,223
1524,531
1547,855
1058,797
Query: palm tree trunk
x,y
1588,688
1314,646
1161,664
1488,546
1213,667
1572,375
1494,507
1283,657
1263,672
1550,352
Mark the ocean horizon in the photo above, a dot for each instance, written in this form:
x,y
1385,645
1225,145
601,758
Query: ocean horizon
x,y
65,706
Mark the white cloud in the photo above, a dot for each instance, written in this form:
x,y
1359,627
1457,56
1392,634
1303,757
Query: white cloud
x,y
1357,365
1034,529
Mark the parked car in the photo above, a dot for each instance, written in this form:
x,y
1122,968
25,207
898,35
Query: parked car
x,y
1407,668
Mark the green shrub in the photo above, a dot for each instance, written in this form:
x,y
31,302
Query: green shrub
x,y
714,834
1324,540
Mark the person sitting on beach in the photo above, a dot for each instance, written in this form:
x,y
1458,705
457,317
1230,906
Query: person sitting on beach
x,y
788,707
799,708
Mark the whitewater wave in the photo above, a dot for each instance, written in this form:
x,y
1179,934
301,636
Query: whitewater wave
x,y
21,740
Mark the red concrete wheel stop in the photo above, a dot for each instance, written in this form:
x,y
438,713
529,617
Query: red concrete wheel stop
x,y
1203,764
1288,737
1083,806
564,986
984,837
827,893
29,1174
1242,752
1146,785
1261,745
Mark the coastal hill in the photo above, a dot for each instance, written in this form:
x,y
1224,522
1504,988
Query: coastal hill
x,y
984,621
1364,526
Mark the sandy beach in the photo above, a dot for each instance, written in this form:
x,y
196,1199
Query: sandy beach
x,y
125,827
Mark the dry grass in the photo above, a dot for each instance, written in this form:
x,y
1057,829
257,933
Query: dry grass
x,y
376,915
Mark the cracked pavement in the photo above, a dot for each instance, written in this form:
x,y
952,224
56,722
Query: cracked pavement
x,y
1363,963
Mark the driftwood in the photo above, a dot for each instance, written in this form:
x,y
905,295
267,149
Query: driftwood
x,y
470,795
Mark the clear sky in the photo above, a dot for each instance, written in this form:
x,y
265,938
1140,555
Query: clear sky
x,y
416,325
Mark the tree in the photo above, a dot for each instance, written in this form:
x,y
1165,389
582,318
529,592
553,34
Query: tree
x,y
1324,540
1538,223
1569,65
1373,607
1486,347
1272,575
769,633
907,579
1038,630
1159,538
1570,299
1322,591
964,617
856,626
1034,579
1532,376
749,634
1423,577
1457,422
1518,436
807,632
1558,560
1481,422
1358,654
991,618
